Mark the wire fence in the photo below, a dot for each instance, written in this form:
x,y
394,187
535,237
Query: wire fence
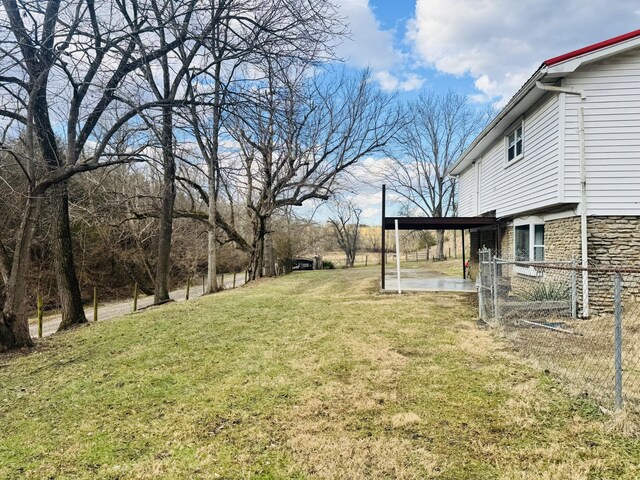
x,y
47,323
539,307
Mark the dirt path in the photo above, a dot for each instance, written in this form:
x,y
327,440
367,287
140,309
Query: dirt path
x,y
123,307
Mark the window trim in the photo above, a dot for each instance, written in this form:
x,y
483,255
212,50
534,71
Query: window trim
x,y
530,222
508,133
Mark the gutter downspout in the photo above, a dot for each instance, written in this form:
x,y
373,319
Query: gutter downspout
x,y
583,215
583,190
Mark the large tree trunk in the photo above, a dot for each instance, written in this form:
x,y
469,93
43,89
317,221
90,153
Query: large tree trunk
x,y
213,166
212,246
258,251
269,253
14,324
161,293
65,270
350,259
440,244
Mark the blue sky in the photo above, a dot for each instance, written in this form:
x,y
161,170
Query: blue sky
x,y
485,49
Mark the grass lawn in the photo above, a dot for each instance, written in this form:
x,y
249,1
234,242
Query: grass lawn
x,y
310,376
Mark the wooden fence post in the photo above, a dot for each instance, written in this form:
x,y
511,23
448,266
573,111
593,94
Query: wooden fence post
x,y
221,281
39,315
135,297
366,260
234,279
95,304
186,297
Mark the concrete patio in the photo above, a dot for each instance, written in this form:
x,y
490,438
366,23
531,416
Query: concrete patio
x,y
422,280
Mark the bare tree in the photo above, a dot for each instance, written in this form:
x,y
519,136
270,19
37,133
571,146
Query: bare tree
x,y
244,32
346,227
64,69
424,151
166,78
300,137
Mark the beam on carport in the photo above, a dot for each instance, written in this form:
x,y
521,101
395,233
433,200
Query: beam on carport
x,y
431,223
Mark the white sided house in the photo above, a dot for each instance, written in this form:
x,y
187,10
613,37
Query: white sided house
x,y
559,166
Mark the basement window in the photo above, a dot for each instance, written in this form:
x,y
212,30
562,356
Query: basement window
x,y
522,243
538,243
528,246
515,142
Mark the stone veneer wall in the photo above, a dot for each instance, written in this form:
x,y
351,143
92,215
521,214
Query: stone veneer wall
x,y
562,239
506,243
562,243
613,242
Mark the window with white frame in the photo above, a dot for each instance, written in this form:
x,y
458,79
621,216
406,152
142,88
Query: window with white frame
x,y
529,242
538,243
515,142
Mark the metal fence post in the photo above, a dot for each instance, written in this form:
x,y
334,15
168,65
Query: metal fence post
x,y
574,291
617,302
480,286
496,311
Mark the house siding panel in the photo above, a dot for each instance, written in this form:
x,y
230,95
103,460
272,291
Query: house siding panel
x,y
467,193
612,135
532,182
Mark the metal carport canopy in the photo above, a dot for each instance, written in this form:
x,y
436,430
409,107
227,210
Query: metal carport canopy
x,y
428,223
445,223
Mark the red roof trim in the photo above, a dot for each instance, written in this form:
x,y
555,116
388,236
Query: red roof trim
x,y
592,48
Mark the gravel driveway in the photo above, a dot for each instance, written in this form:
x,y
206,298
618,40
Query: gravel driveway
x,y
119,308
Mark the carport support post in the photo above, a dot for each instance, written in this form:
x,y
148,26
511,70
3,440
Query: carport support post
x,y
383,243
496,296
480,288
398,255
464,263
384,236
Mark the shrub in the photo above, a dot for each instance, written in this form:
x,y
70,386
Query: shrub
x,y
547,291
328,264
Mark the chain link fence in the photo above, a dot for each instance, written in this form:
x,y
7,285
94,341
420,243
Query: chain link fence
x,y
538,308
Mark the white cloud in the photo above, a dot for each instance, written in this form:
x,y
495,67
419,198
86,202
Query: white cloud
x,y
500,43
369,173
406,83
387,81
371,46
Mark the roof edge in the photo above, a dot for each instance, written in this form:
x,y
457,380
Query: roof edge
x,y
520,94
539,74
592,48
